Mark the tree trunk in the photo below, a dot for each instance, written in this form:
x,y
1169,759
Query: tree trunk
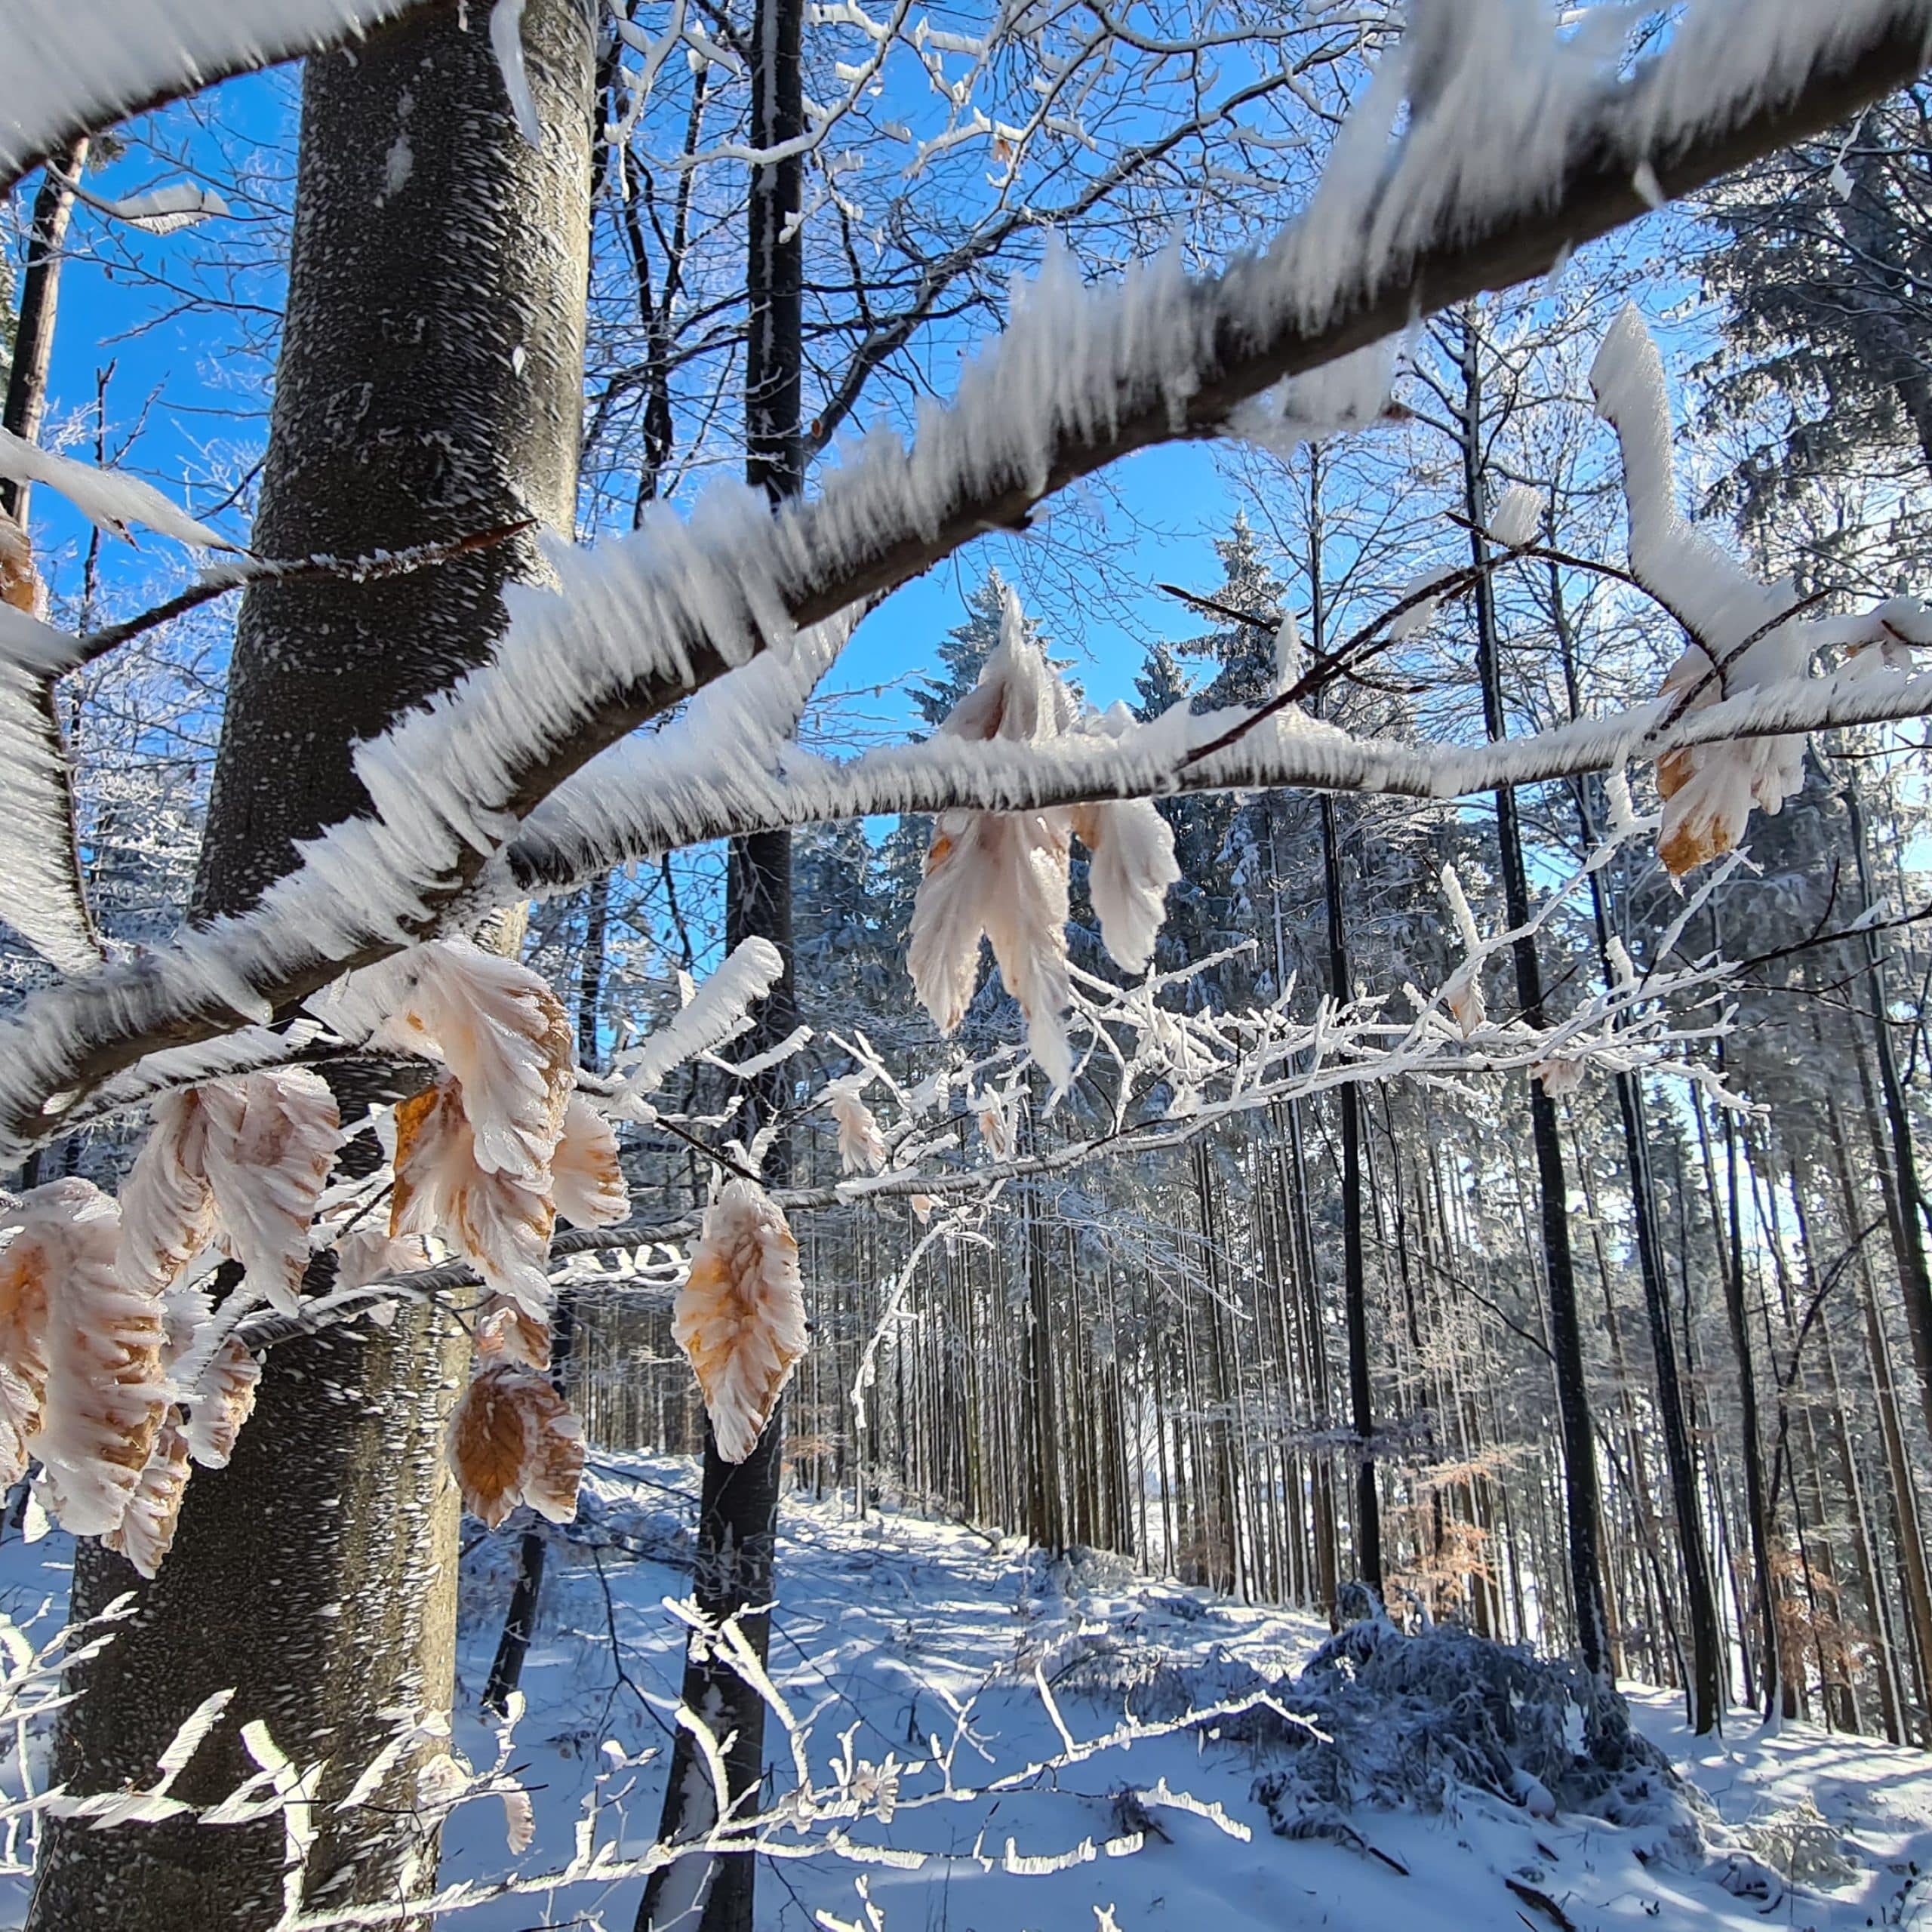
x,y
738,1510
1582,1507
1904,1200
40,301
1354,1288
1704,1690
316,1575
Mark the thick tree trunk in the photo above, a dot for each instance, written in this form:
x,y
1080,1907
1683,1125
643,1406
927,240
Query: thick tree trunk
x,y
1582,1507
429,389
737,1530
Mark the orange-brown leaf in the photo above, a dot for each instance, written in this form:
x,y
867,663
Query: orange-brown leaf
x,y
512,1440
507,1331
146,1533
498,1222
223,1401
587,1183
740,1316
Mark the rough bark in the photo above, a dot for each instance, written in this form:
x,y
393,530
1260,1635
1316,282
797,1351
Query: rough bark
x,y
316,1575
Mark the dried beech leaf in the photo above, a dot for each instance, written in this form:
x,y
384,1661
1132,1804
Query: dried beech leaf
x,y
861,1145
219,1404
371,1253
498,1223
270,1142
28,1267
507,1331
506,1038
1000,876
587,1182
740,1316
168,1213
1131,848
104,1393
146,1532
512,1440
19,582
519,1820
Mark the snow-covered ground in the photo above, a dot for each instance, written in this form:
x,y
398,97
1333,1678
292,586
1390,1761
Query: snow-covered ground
x,y
896,1631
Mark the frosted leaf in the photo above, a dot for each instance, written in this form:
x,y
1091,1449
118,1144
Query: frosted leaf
x,y
1517,517
270,1142
1462,995
996,1129
587,1181
104,1393
740,1315
168,1213
29,1267
246,1159
1560,1077
506,1037
922,1205
1001,876
146,1532
519,1820
221,1403
861,1145
1132,849
512,1440
507,1331
366,1255
500,1224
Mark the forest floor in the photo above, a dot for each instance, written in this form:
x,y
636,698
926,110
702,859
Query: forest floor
x,y
894,1629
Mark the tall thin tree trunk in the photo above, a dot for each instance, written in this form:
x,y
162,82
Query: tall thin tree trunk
x,y
1355,1290
1704,1691
40,301
1582,1505
738,1508
1905,1201
315,1575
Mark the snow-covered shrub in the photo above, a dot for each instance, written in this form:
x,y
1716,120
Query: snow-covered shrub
x,y
1403,1720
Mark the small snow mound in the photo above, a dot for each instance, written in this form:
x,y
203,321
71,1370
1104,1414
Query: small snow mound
x,y
1401,1721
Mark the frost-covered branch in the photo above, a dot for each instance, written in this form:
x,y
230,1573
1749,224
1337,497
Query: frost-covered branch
x,y
74,66
585,828
1518,149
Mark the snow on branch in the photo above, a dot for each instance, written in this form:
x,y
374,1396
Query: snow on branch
x,y
74,66
1519,148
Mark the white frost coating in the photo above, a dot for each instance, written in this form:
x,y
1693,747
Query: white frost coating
x,y
506,42
718,1012
1501,125
104,496
77,64
1747,637
165,211
41,894
1518,519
